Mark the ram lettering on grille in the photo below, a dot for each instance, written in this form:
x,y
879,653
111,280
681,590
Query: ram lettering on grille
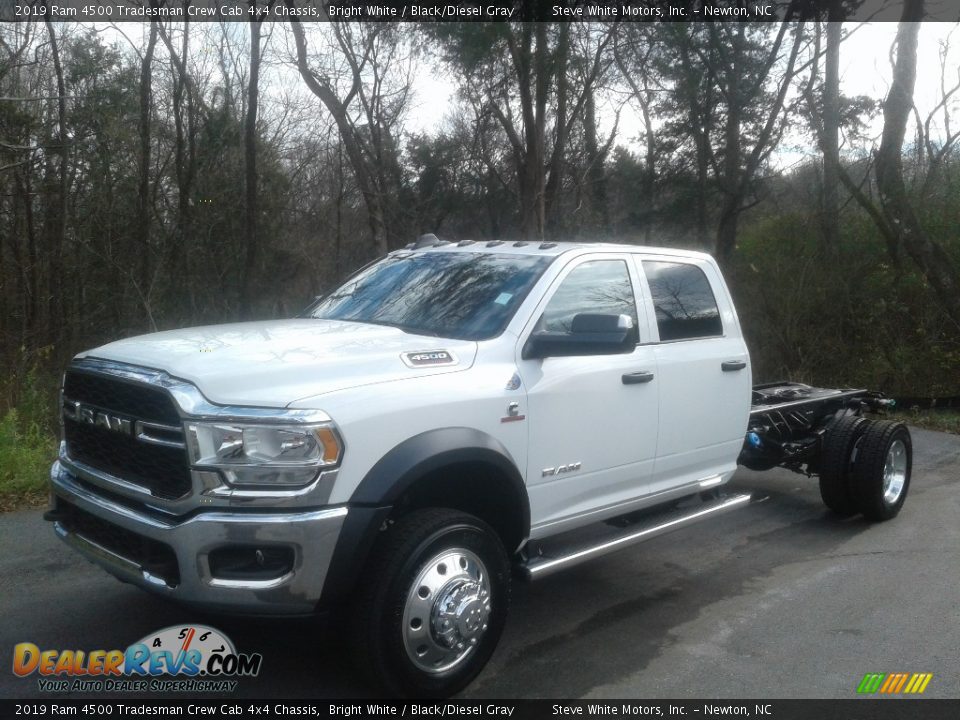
x,y
128,430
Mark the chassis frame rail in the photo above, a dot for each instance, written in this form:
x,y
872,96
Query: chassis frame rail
x,y
788,421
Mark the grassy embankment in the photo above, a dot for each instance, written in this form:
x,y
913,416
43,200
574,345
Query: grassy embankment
x,y
941,420
28,442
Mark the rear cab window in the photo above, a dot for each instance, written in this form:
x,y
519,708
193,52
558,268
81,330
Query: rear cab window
x,y
683,301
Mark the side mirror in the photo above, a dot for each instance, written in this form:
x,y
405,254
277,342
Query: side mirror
x,y
590,334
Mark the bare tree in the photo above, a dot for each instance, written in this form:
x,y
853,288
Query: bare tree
x,y
741,91
539,71
534,80
634,55
58,213
366,111
185,160
830,142
933,149
936,265
250,165
143,190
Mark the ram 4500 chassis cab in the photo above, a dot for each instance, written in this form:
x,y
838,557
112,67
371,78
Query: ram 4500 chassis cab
x,y
452,418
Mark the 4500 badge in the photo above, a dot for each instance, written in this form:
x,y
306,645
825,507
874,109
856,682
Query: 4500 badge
x,y
193,650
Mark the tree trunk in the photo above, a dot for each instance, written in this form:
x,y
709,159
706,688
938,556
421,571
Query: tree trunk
x,y
731,186
185,159
649,186
929,256
58,229
544,75
830,209
526,153
31,271
596,175
555,172
727,230
697,120
143,191
529,217
739,169
650,177
338,238
250,171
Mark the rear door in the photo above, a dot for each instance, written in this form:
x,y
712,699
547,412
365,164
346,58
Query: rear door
x,y
703,369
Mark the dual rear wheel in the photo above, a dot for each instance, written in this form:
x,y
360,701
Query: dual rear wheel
x,y
865,467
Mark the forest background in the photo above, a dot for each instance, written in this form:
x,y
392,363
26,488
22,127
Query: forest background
x,y
166,174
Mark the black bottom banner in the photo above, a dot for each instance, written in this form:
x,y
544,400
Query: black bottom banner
x,y
853,709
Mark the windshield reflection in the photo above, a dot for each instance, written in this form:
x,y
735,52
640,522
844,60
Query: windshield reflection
x,y
463,295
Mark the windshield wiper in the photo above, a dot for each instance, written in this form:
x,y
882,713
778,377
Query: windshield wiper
x,y
410,330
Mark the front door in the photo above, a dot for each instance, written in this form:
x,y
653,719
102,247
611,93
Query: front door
x,y
593,418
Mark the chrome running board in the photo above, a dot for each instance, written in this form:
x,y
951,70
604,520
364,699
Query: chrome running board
x,y
575,547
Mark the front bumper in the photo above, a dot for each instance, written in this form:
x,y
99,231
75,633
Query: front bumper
x,y
311,534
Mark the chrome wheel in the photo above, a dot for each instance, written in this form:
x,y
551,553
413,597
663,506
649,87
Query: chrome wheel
x,y
447,610
894,472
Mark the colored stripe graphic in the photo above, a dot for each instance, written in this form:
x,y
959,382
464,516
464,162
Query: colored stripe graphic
x,y
889,682
922,685
895,683
871,682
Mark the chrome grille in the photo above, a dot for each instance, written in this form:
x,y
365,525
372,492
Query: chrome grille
x,y
130,445
125,398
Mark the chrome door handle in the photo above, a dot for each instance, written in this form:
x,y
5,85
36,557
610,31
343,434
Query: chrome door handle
x,y
733,365
637,378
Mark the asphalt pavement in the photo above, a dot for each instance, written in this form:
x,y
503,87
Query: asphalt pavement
x,y
777,600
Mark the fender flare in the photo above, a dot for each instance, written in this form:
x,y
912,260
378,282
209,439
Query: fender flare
x,y
421,454
394,474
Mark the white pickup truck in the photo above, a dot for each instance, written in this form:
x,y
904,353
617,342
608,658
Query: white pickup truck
x,y
452,418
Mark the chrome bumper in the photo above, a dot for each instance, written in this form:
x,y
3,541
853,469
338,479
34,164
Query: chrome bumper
x,y
312,534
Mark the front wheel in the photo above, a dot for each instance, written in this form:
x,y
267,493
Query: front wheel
x,y
432,603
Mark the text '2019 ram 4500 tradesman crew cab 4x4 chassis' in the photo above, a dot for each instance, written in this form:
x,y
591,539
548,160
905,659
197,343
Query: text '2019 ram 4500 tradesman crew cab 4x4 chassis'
x,y
453,416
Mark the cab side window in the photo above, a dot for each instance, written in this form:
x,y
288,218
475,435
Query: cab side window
x,y
683,301
597,286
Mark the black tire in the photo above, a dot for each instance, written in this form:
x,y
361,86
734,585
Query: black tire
x,y
886,449
839,441
402,553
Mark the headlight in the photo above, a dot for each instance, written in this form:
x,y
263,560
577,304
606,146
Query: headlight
x,y
263,454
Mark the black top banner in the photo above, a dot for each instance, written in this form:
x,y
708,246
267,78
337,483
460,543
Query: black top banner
x,y
452,11
919,709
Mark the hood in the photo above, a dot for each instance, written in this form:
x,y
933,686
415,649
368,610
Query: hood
x,y
273,363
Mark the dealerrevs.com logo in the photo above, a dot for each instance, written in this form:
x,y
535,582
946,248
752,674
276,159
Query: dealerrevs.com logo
x,y
192,658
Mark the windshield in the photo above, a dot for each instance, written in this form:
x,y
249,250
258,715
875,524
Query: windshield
x,y
463,295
